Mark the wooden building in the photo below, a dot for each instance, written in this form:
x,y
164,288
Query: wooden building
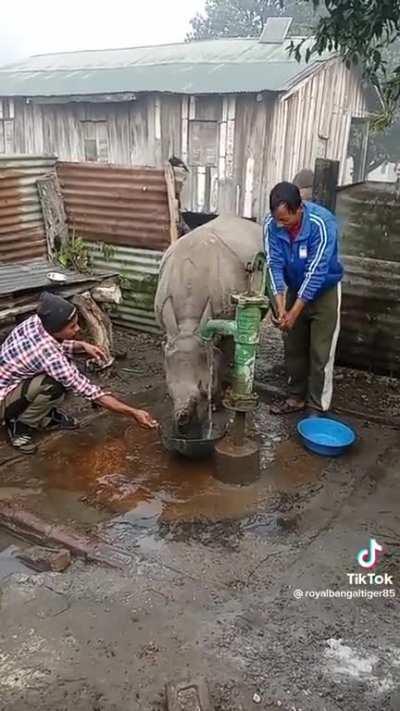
x,y
241,113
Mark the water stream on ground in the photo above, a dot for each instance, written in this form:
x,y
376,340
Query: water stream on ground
x,y
210,362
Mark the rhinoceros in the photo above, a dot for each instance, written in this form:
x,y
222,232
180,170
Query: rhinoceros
x,y
198,275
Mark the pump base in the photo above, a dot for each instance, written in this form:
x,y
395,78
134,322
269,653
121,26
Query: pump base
x,y
237,465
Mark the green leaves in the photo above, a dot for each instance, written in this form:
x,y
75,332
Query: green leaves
x,y
246,18
74,255
364,32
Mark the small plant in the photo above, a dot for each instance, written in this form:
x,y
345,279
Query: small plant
x,y
74,254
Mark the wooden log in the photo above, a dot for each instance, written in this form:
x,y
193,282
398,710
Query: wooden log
x,y
97,322
172,203
52,204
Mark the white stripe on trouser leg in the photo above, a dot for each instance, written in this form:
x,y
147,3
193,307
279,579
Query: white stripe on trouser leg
x,y
327,390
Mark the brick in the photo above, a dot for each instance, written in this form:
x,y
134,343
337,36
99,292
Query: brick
x,y
192,695
45,559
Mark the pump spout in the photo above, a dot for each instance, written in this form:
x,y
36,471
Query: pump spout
x,y
216,327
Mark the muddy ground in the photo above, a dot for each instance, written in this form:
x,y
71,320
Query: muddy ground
x,y
211,573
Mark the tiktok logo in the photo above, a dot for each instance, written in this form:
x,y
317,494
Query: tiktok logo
x,y
368,557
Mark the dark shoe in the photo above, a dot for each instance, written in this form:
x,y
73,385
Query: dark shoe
x,y
57,420
20,437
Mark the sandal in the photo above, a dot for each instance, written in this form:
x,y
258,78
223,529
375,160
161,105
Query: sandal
x,y
286,408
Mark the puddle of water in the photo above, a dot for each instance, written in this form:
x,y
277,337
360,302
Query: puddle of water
x,y
112,467
9,564
8,493
6,540
64,506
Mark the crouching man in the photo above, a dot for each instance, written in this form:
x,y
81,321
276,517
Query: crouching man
x,y
36,371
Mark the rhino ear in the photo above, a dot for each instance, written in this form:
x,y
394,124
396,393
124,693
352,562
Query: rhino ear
x,y
168,318
206,315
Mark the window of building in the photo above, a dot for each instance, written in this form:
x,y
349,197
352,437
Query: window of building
x,y
203,143
95,141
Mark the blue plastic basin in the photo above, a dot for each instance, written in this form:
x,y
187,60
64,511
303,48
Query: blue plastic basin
x,y
329,438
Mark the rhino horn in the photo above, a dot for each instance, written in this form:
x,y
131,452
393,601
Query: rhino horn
x,y
168,318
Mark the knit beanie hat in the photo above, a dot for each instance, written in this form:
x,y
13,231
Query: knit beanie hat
x,y
54,312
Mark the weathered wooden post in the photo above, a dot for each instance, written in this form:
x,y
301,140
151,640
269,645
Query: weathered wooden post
x,y
326,178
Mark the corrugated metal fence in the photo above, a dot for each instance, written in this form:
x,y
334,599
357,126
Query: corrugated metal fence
x,y
117,205
22,232
127,210
370,217
138,269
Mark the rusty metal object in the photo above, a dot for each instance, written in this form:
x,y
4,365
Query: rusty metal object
x,y
192,695
27,525
237,463
117,205
45,559
22,231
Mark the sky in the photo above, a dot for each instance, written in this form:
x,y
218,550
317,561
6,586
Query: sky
x,y
36,27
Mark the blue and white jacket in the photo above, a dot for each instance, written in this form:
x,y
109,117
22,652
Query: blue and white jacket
x,y
308,264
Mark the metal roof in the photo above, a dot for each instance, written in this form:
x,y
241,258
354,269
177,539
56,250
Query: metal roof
x,y
201,67
21,285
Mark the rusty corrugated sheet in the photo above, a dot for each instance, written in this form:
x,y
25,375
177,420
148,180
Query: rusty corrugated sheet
x,y
22,232
116,205
369,216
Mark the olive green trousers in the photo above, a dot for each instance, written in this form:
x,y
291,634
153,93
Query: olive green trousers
x,y
32,400
310,349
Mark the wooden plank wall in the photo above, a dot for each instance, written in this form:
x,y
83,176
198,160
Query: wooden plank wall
x,y
237,147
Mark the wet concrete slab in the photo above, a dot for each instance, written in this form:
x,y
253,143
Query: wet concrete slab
x,y
208,593
10,546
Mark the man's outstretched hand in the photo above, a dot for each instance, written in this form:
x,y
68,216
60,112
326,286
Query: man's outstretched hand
x,y
145,420
141,417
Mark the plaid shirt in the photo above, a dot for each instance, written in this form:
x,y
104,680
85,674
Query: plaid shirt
x,y
29,350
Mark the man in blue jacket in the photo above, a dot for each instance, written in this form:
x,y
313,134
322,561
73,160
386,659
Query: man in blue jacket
x,y
301,246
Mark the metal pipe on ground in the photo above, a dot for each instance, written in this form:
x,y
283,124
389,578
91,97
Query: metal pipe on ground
x,y
27,525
